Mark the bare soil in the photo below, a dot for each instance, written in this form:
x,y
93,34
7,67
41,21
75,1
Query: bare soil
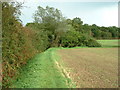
x,y
91,67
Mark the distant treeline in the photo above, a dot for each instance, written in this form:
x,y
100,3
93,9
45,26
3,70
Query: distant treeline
x,y
94,31
49,29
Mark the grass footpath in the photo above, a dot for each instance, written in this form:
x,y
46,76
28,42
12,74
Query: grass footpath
x,y
41,72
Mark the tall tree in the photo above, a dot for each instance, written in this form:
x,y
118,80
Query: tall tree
x,y
53,21
77,23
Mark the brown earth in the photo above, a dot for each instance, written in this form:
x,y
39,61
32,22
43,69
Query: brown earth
x,y
91,67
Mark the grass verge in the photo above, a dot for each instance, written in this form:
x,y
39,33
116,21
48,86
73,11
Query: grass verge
x,y
41,72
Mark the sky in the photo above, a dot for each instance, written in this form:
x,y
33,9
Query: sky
x,y
99,13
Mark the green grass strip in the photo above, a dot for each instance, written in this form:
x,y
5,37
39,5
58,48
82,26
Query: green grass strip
x,y
109,43
41,72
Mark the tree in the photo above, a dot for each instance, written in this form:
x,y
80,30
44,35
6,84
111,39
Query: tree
x,y
86,29
53,21
106,35
77,23
114,31
96,33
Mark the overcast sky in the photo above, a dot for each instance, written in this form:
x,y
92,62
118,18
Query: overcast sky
x,y
99,13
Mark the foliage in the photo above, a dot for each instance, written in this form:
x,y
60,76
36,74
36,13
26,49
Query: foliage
x,y
70,39
51,21
40,39
77,23
17,42
74,38
105,32
95,31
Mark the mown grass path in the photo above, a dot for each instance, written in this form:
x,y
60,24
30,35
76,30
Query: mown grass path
x,y
41,72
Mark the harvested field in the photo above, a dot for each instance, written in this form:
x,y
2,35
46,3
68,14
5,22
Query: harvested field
x,y
91,67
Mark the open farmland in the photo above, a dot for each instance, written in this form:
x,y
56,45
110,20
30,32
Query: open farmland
x,y
45,48
109,43
79,67
91,67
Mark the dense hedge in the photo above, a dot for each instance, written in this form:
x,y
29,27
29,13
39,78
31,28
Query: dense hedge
x,y
19,44
74,38
17,49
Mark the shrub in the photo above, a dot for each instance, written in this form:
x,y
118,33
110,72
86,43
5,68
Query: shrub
x,y
93,43
74,38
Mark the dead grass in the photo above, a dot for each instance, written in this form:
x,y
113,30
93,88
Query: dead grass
x,y
91,67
